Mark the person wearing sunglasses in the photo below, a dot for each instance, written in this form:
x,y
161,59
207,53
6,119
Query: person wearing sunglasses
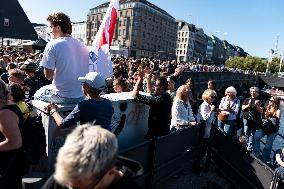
x,y
205,119
269,127
89,160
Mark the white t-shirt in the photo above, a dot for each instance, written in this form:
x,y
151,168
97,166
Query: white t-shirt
x,y
69,58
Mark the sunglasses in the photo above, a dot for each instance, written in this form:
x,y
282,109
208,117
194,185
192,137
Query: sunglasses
x,y
213,96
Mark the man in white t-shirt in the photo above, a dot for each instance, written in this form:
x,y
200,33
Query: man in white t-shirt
x,y
64,60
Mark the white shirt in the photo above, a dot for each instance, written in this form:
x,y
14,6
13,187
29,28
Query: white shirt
x,y
234,105
205,114
181,115
69,59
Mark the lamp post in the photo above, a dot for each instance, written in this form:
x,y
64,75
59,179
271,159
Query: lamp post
x,y
281,60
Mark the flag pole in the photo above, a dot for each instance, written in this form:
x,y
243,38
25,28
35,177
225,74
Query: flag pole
x,y
281,60
267,66
271,52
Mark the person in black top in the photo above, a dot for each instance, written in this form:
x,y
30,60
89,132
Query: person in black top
x,y
279,172
160,103
31,82
5,75
12,165
252,109
89,159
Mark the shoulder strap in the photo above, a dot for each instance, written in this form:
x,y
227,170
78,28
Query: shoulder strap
x,y
13,108
17,111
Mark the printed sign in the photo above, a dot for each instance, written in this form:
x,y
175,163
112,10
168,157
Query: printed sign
x,y
6,22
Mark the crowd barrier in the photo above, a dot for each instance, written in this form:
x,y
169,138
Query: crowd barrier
x,y
129,123
239,166
164,156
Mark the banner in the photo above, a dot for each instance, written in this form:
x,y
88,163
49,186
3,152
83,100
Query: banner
x,y
100,59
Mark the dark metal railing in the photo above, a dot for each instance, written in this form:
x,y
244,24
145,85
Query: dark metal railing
x,y
273,151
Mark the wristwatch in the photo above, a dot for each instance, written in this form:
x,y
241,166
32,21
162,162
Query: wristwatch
x,y
52,111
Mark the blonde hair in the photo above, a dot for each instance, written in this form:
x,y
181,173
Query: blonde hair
x,y
207,93
88,150
181,92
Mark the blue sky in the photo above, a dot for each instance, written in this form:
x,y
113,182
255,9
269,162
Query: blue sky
x,y
251,24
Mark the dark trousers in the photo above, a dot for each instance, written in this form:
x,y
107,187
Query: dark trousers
x,y
204,147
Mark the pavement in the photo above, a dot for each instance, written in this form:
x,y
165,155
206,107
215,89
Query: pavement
x,y
186,179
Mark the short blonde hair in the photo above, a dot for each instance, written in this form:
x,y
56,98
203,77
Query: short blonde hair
x,y
181,92
232,90
207,93
87,151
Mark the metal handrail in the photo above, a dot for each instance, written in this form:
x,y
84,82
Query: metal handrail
x,y
274,151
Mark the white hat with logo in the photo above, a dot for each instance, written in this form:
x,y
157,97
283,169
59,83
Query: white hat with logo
x,y
94,79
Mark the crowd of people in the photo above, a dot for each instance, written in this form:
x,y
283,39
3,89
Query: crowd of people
x,y
60,76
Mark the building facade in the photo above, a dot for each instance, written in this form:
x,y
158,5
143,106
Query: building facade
x,y
200,45
42,31
79,31
185,41
209,49
142,27
230,50
219,52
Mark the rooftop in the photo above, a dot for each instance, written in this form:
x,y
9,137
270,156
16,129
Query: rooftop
x,y
104,5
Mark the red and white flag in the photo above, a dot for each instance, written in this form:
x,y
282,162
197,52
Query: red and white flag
x,y
100,59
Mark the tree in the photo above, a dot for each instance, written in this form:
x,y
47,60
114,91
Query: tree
x,y
253,64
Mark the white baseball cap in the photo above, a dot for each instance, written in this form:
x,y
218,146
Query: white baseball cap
x,y
94,79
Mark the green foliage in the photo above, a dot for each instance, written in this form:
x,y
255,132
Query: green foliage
x,y
253,64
